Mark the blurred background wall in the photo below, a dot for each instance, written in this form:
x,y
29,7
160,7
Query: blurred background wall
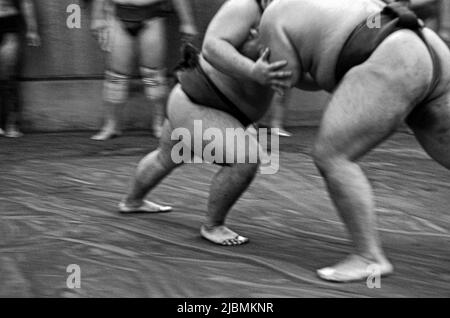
x,y
61,80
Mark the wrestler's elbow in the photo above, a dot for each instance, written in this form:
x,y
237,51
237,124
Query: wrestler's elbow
x,y
214,51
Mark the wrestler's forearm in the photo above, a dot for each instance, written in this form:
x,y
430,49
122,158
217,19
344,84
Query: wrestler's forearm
x,y
29,13
226,58
184,11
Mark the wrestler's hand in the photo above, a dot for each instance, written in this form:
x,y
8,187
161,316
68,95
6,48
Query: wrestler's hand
x,y
33,38
100,30
271,74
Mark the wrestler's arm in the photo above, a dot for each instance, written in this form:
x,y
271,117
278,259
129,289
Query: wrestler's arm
x,y
29,14
227,31
186,16
274,36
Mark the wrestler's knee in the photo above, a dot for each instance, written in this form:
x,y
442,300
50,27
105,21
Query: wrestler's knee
x,y
116,86
325,156
164,158
155,82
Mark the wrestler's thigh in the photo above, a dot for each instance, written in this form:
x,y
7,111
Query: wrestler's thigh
x,y
9,52
121,56
374,98
363,111
152,44
198,120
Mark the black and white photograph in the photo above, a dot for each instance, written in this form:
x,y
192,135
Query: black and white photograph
x,y
223,154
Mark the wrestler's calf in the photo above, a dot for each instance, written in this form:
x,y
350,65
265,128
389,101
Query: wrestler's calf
x,y
226,188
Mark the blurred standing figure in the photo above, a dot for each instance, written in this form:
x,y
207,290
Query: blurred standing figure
x,y
122,28
16,17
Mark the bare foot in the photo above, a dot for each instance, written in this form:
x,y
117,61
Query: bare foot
x,y
355,268
144,207
222,235
106,134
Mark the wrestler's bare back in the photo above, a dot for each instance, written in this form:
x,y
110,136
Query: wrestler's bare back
x,y
310,34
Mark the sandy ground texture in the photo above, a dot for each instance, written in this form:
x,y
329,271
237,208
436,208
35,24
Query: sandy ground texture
x,y
58,206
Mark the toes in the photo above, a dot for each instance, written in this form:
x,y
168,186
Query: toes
x,y
228,242
242,240
238,240
234,242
